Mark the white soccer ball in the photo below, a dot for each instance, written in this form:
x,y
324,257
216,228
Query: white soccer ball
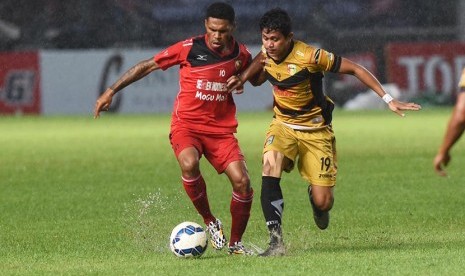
x,y
188,239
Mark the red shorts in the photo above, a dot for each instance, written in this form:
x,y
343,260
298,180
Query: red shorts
x,y
220,149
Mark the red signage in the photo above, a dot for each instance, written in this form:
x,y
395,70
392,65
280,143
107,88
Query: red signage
x,y
422,67
19,83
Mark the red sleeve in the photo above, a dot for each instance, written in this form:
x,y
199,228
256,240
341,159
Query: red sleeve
x,y
173,55
247,58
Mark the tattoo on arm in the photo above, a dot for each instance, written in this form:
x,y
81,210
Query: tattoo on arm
x,y
136,72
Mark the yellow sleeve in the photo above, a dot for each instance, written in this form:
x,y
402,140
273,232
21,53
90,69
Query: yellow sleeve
x,y
324,60
462,80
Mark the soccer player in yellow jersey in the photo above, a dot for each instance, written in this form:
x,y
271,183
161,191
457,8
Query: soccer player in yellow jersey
x,y
454,130
301,130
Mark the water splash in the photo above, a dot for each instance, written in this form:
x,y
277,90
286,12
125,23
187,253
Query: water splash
x,y
147,219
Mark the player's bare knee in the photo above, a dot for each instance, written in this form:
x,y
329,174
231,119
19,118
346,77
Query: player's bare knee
x,y
242,185
266,169
271,169
189,165
328,205
324,203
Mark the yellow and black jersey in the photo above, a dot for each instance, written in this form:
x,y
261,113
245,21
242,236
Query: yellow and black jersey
x,y
462,81
299,100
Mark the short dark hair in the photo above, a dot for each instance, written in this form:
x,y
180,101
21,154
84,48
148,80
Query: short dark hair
x,y
276,20
221,10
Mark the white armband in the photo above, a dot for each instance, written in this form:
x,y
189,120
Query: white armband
x,y
387,98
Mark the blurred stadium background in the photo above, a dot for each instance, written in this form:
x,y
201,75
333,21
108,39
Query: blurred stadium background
x,y
56,56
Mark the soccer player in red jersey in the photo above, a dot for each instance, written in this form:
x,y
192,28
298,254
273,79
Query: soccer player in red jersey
x,y
204,117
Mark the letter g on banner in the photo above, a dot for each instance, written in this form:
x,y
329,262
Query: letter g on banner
x,y
112,65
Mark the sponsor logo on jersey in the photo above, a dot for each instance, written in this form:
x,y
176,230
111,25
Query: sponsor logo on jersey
x,y
212,86
210,97
331,56
269,140
326,175
317,120
291,69
202,57
238,64
298,52
282,92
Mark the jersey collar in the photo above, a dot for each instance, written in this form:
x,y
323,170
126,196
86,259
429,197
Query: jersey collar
x,y
230,51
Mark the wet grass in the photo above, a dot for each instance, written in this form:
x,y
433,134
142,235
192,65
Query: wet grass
x,y
84,196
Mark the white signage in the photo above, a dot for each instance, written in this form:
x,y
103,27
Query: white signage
x,y
73,80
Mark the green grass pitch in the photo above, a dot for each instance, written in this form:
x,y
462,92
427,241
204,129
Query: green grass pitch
x,y
100,197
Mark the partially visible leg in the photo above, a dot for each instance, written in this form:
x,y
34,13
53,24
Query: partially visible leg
x,y
321,200
318,165
193,182
195,187
224,154
241,203
272,200
241,200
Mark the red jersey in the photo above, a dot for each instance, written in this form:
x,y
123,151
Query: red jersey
x,y
203,102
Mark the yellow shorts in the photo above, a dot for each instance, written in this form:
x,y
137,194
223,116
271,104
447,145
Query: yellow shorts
x,y
316,150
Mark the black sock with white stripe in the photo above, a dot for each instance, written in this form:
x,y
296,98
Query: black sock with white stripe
x,y
272,205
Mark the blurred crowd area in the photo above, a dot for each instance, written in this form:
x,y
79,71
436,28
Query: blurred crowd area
x,y
84,24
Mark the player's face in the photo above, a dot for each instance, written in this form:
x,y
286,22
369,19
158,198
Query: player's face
x,y
219,33
276,44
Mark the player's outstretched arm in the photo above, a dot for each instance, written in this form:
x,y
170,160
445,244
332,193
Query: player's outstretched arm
x,y
349,67
136,72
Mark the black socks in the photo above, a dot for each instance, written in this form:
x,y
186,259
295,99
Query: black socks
x,y
272,205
